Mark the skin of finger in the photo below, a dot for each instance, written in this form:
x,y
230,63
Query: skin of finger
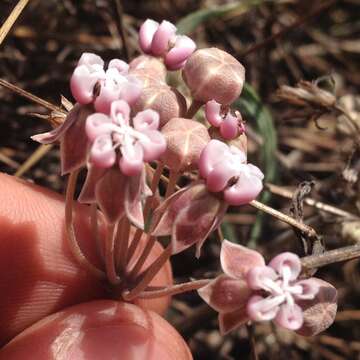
x,y
99,330
39,276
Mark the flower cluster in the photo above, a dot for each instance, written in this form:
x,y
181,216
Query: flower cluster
x,y
126,115
250,290
161,40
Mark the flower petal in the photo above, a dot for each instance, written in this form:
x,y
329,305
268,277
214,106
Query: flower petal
x,y
177,56
257,277
146,120
237,260
232,320
218,178
91,59
287,260
289,316
213,113
74,144
87,194
247,187
120,65
132,159
131,89
120,112
309,288
162,37
109,194
229,127
96,125
146,34
213,153
263,309
102,153
225,294
320,312
155,145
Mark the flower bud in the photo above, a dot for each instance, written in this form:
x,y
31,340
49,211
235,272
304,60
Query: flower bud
x,y
149,64
167,101
185,140
213,74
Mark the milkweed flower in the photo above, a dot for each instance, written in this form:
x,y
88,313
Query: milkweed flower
x,y
230,126
113,138
91,83
161,40
225,170
249,290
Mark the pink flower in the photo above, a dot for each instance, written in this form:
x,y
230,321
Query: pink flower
x,y
250,290
90,83
161,40
136,144
230,126
225,170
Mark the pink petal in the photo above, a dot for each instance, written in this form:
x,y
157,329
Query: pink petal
x,y
87,194
287,260
320,312
74,144
178,55
109,194
309,289
133,196
131,89
162,37
237,260
232,320
120,112
96,125
132,159
262,309
82,84
247,187
146,34
120,65
229,128
289,316
225,294
213,153
90,59
256,277
57,133
102,153
109,92
213,113
146,120
155,146
218,178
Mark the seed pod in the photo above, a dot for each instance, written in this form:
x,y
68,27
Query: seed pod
x,y
151,64
167,101
185,140
213,74
148,78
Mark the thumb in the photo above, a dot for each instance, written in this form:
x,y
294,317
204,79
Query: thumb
x,y
38,273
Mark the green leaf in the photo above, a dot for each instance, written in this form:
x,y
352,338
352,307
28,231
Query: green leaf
x,y
252,108
190,22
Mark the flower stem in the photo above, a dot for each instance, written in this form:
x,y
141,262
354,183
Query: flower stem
x,y
141,260
122,244
147,207
174,289
148,275
309,231
193,109
173,178
70,231
109,255
95,229
330,257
